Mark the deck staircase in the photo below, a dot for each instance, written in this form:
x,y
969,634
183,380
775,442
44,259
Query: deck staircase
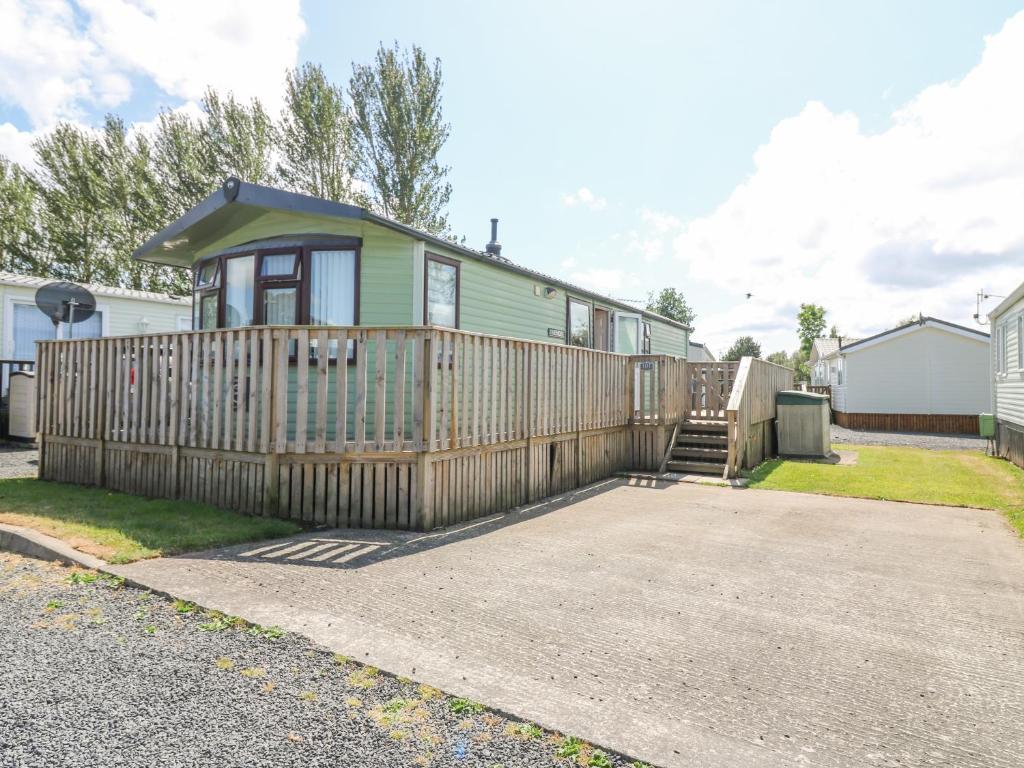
x,y
701,448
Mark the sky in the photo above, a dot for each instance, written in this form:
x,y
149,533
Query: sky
x,y
867,156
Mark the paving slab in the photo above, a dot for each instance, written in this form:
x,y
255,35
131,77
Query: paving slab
x,y
685,624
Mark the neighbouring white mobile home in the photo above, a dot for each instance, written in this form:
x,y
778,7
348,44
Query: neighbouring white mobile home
x,y
1007,366
927,376
119,312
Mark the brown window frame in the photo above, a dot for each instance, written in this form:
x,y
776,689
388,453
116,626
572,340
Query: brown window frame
x,y
429,257
569,301
301,278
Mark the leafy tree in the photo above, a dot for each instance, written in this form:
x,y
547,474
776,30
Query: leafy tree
x,y
313,135
73,216
744,346
132,213
239,138
801,365
833,332
907,321
671,303
182,164
397,134
779,358
20,234
811,324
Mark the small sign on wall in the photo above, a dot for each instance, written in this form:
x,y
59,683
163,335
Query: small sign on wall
x,y
556,333
646,365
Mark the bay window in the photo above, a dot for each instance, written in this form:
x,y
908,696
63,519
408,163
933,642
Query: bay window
x,y
301,284
441,291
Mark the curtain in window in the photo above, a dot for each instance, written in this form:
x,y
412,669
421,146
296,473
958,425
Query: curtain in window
x,y
279,306
332,295
30,326
278,264
238,291
87,329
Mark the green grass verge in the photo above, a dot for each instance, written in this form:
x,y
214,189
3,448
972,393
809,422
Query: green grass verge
x,y
120,528
955,478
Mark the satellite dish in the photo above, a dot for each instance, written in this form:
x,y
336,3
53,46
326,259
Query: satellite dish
x,y
65,303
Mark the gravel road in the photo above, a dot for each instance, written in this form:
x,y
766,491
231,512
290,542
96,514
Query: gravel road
x,y
913,439
96,674
18,460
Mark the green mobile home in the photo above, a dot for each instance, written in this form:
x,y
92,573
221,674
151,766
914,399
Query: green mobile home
x,y
262,256
345,369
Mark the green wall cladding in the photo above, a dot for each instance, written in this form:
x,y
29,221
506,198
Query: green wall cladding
x,y
494,300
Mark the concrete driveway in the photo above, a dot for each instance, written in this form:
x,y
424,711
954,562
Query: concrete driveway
x,y
685,625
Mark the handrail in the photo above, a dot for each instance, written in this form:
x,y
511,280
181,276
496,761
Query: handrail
x,y
752,403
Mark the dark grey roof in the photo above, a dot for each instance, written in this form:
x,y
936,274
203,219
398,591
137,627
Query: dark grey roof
x,y
238,203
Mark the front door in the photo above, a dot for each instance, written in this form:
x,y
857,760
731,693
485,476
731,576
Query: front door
x,y
601,329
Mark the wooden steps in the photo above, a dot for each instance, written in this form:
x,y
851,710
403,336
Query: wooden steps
x,y
701,448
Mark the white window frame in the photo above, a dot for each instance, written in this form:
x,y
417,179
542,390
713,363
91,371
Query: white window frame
x,y
10,301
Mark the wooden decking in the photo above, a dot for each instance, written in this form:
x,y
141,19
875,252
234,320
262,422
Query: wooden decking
x,y
376,427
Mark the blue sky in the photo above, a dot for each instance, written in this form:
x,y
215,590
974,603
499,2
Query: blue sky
x,y
655,110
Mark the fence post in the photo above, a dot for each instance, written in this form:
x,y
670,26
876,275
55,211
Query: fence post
x,y
424,469
271,475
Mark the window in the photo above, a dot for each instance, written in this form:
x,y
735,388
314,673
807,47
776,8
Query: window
x,y
208,311
332,292
239,289
441,291
646,348
29,325
1020,342
578,333
300,284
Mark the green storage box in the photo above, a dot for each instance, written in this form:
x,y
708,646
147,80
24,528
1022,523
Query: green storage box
x,y
987,425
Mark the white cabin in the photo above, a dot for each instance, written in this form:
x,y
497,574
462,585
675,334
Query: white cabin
x,y
1007,366
927,376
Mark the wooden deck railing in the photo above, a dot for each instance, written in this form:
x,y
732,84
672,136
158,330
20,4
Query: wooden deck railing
x,y
750,412
708,388
393,389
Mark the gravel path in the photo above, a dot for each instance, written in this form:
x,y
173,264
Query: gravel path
x,y
18,460
96,674
929,440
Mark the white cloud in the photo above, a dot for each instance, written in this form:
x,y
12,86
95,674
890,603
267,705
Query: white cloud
x,y
59,59
16,144
873,226
616,283
584,198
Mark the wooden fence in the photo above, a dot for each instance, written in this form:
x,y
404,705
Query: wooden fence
x,y
709,386
750,414
398,427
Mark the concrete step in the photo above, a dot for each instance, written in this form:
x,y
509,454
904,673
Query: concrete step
x,y
702,439
696,467
700,454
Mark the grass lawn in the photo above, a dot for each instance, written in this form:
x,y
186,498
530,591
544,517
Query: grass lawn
x,y
120,528
955,478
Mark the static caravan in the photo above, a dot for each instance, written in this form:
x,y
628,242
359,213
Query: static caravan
x,y
1007,366
927,376
263,256
348,370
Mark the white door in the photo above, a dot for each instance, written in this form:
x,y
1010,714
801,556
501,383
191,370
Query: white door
x,y
626,336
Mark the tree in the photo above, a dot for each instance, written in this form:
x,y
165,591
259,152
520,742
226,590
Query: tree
x,y
744,346
182,164
240,138
811,324
670,303
397,134
313,135
908,321
20,234
73,215
780,358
